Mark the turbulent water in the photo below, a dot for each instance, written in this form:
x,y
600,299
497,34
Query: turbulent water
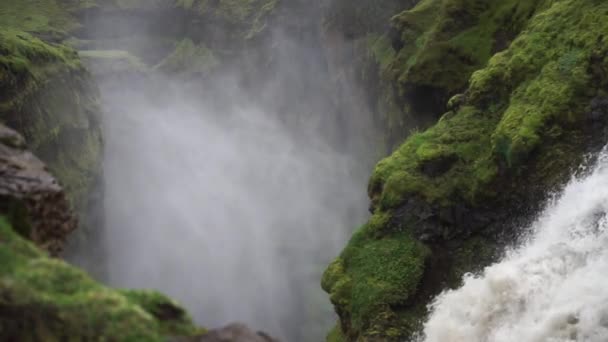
x,y
551,289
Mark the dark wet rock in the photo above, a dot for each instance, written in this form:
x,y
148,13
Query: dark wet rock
x,y
440,223
30,197
599,108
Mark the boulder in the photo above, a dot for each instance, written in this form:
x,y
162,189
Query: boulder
x,y
30,197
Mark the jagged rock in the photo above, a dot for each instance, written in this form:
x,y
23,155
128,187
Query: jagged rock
x,y
30,197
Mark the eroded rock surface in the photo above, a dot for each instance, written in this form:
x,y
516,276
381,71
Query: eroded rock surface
x,y
30,196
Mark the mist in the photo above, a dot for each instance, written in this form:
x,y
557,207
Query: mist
x,y
233,196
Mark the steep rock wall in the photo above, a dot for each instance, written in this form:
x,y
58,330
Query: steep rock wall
x,y
533,104
45,299
49,97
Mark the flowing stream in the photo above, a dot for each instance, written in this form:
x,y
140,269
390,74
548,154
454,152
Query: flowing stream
x,y
550,289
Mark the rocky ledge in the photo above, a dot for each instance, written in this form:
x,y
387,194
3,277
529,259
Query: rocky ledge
x,y
30,197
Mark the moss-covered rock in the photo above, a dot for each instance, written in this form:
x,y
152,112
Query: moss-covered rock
x,y
372,276
529,111
441,42
171,32
189,59
358,18
48,19
49,97
30,197
45,299
336,335
245,18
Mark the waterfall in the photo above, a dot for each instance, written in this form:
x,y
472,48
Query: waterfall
x,y
231,190
227,211
550,289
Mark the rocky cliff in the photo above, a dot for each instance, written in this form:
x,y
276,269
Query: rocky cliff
x,y
50,97
45,299
47,95
485,107
516,91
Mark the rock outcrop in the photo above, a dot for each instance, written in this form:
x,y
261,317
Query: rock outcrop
x,y
499,101
30,197
48,96
45,299
526,81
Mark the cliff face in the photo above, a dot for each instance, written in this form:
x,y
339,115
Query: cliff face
x,y
45,299
49,97
517,89
499,102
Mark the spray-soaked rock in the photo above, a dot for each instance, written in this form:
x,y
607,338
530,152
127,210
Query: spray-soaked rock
x,y
30,197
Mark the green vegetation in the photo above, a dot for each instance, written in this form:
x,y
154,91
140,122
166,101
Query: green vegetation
x,y
26,64
49,97
476,251
444,41
335,335
356,18
249,17
47,300
49,18
534,68
373,274
189,59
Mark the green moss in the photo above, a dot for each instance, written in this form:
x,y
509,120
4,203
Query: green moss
x,y
47,300
541,93
372,274
189,59
336,335
47,95
105,63
48,18
173,319
465,137
446,40
357,18
381,50
521,121
245,19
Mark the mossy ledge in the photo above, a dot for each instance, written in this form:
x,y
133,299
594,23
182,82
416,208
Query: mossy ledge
x,y
45,299
530,102
47,95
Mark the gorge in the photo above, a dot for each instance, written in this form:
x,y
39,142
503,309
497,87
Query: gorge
x,y
219,151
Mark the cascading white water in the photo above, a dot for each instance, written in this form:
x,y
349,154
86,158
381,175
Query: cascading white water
x,y
554,288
